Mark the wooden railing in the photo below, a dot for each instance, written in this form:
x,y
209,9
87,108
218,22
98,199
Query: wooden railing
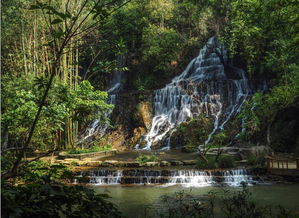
x,y
280,163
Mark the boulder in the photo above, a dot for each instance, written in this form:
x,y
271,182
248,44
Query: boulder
x,y
132,164
164,164
93,163
111,163
257,151
189,162
176,163
151,164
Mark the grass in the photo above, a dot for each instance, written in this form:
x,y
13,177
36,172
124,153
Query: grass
x,y
147,158
90,150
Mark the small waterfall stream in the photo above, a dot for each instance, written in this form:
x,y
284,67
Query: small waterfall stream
x,y
114,88
189,178
204,88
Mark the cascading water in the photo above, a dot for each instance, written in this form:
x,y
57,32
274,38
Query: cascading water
x,y
189,178
114,88
203,87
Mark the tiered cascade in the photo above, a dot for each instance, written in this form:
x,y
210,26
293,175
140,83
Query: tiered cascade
x,y
192,178
203,88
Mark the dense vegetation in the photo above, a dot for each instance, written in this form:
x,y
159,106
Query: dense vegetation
x,y
232,204
58,57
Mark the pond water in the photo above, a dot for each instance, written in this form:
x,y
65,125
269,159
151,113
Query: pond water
x,y
142,201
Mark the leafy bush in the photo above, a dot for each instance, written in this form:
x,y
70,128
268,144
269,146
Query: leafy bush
x,y
54,200
43,172
90,150
183,204
226,161
256,161
43,195
211,164
233,204
192,133
147,158
240,204
21,98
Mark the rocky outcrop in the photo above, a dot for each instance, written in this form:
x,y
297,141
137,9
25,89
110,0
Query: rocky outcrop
x,y
131,119
144,113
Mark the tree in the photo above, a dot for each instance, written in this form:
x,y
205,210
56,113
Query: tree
x,y
65,28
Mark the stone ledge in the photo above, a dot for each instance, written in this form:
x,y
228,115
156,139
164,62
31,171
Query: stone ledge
x,y
100,154
115,163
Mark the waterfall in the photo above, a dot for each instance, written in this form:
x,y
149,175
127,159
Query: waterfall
x,y
204,88
235,177
115,87
189,178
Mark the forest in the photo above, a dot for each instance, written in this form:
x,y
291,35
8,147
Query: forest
x,y
148,108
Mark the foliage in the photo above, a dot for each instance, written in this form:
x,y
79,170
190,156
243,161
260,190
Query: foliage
x,y
233,204
189,135
184,204
160,47
239,204
226,161
264,34
90,150
255,161
260,113
54,200
147,158
43,195
212,162
21,100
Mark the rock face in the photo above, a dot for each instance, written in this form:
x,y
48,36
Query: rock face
x,y
131,119
144,111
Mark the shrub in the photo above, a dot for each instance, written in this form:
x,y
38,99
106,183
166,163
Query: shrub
x,y
256,161
90,150
54,200
211,164
226,161
43,172
44,195
184,204
147,158
235,204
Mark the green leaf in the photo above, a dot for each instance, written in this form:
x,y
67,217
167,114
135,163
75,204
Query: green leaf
x,y
56,21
